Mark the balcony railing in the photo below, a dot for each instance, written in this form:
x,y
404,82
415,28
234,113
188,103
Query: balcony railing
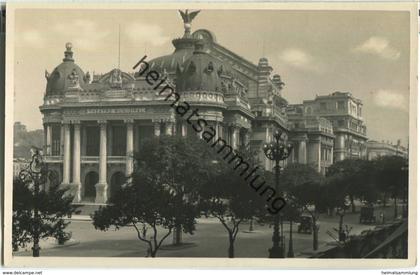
x,y
116,159
87,159
110,159
53,159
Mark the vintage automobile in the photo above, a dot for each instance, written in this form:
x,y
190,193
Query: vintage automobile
x,y
305,224
367,215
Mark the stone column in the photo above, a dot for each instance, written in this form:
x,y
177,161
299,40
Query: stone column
x,y
247,137
101,186
183,129
220,130
66,158
62,140
302,151
268,137
234,138
76,162
331,160
136,138
130,148
44,148
168,128
319,152
216,129
340,147
48,140
157,128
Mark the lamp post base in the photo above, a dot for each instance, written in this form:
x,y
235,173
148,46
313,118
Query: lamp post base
x,y
276,252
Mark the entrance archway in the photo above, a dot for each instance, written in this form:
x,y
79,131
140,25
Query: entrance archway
x,y
117,179
91,180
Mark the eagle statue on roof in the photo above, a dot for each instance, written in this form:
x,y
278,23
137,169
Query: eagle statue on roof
x,y
188,17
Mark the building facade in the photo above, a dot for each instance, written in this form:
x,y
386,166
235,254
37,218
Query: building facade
x,y
345,114
93,124
375,149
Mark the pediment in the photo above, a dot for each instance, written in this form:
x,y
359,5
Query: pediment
x,y
116,78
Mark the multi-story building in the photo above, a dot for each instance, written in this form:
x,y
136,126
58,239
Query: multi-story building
x,y
94,123
345,113
376,149
313,138
18,128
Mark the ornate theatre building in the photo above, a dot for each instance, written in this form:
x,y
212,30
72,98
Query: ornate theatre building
x,y
93,124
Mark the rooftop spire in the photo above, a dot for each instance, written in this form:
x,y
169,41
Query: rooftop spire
x,y
119,45
68,54
188,17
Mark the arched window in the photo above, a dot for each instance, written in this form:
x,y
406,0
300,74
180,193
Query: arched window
x,y
117,179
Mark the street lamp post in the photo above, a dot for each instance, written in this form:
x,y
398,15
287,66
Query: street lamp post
x,y
290,252
35,173
341,234
277,150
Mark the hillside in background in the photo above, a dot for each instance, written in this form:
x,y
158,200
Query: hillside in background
x,y
24,140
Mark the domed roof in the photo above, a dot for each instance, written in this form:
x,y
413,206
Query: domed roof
x,y
66,76
201,72
184,48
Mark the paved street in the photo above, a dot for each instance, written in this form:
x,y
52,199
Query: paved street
x,y
209,240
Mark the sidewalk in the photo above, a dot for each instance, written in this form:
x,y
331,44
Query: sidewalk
x,y
79,218
88,218
48,243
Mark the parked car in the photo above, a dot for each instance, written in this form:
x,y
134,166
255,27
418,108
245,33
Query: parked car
x,y
305,224
367,215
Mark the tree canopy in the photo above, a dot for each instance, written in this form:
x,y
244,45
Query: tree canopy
x,y
229,198
163,190
53,205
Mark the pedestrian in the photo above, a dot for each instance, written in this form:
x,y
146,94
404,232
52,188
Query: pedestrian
x,y
382,217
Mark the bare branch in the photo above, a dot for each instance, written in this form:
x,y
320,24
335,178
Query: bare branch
x,y
154,235
139,235
224,224
164,237
235,232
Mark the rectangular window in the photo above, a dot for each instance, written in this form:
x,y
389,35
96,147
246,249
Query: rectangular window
x,y
56,140
323,106
92,141
119,140
340,105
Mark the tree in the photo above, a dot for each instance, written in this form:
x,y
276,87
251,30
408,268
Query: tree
x,y
230,199
392,177
354,177
303,185
145,203
182,164
53,206
331,194
162,192
368,189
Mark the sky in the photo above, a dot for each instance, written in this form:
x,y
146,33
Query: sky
x,y
365,53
